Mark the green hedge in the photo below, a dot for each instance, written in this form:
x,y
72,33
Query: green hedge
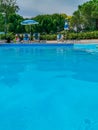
x,y
83,35
10,34
48,37
67,35
70,36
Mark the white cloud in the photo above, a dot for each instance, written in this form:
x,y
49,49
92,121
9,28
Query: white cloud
x,y
30,8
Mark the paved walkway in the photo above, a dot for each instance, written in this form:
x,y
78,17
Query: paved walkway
x,y
75,41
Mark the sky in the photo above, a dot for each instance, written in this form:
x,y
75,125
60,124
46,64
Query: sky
x,y
32,8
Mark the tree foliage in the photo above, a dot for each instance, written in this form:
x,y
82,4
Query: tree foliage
x,y
50,23
8,6
14,23
86,16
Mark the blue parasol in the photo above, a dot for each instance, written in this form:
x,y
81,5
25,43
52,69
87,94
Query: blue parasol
x,y
66,25
28,22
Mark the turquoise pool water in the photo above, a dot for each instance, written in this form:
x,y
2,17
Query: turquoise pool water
x,y
48,88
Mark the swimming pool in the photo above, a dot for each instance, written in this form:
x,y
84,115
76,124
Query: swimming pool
x,y
48,87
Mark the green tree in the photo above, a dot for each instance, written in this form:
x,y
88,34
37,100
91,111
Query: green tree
x,y
86,16
50,23
14,23
76,20
1,23
8,6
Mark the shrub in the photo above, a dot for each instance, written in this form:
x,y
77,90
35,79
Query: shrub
x,y
48,37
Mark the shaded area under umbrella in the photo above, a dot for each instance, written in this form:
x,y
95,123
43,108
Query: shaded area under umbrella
x,y
29,22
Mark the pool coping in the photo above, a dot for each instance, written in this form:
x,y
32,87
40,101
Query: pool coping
x,y
36,44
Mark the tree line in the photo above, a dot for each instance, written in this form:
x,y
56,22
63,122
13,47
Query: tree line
x,y
85,18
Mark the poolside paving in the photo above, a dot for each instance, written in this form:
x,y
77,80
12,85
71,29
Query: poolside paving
x,y
75,41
